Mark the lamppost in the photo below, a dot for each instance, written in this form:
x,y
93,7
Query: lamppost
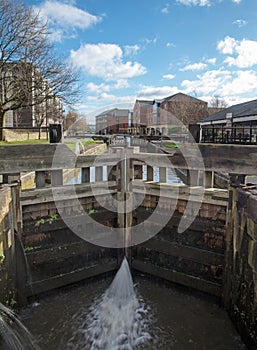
x,y
46,121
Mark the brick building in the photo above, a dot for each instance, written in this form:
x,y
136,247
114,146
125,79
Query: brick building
x,y
156,117
142,113
113,121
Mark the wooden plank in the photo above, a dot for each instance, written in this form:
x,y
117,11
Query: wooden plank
x,y
60,252
230,158
185,252
178,277
181,191
74,222
25,158
40,177
57,177
43,195
237,159
62,280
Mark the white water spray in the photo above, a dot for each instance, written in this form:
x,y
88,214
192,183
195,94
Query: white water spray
x,y
13,334
118,321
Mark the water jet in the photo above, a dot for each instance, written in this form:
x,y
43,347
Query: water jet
x,y
13,334
116,320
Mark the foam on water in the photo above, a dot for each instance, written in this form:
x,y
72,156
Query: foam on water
x,y
118,321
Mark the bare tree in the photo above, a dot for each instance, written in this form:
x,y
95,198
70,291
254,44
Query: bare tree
x,y
75,122
71,117
81,124
186,109
30,72
217,102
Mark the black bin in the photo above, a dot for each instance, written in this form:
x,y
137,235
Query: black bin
x,y
195,131
55,133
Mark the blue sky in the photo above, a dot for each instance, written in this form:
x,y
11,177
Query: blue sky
x,y
149,49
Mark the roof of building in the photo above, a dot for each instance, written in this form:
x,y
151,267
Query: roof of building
x,y
168,98
145,101
239,110
117,111
178,94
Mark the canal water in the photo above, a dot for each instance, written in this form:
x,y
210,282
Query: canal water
x,y
170,173
178,319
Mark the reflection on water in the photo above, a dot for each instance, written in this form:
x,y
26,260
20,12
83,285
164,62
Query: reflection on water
x,y
181,320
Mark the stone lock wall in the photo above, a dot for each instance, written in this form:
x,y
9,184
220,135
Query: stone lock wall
x,y
7,246
241,282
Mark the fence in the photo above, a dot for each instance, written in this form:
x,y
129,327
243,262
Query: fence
x,y
232,135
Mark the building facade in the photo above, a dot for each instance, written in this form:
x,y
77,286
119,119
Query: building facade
x,y
235,124
113,121
27,99
160,117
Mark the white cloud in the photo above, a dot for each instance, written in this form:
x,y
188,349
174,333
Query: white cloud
x,y
102,97
244,82
168,76
211,60
100,88
152,92
121,84
194,66
90,109
245,52
131,49
147,41
236,1
227,46
170,45
195,2
108,101
165,9
240,22
67,15
223,83
105,61
97,88
208,82
233,86
56,36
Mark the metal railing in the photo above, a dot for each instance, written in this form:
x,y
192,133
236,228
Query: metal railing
x,y
232,135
